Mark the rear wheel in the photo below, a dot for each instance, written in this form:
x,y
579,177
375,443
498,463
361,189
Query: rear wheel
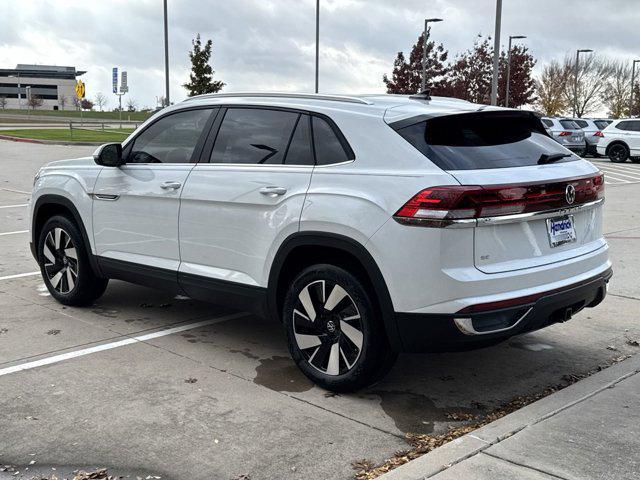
x,y
64,264
334,333
618,153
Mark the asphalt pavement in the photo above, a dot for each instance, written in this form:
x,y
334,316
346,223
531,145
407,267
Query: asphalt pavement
x,y
146,383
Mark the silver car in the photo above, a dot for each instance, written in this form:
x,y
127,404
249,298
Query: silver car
x,y
592,129
567,133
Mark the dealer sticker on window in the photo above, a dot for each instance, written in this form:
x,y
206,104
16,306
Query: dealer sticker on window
x,y
561,230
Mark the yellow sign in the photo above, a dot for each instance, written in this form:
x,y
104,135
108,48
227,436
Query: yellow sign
x,y
80,89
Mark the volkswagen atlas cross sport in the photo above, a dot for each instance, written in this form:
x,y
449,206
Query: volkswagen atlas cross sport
x,y
367,225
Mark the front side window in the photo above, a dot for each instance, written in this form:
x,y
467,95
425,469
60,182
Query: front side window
x,y
328,147
254,136
172,139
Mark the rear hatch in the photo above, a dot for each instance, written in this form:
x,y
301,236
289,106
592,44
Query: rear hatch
x,y
571,134
530,201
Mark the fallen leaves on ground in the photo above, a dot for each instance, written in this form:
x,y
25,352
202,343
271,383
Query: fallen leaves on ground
x,y
460,416
191,380
422,443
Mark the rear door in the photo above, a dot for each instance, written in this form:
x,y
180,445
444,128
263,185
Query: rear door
x,y
505,154
246,198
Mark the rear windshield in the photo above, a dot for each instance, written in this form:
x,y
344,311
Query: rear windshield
x,y
569,125
482,140
601,124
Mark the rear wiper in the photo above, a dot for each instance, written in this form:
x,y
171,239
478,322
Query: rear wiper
x,y
544,158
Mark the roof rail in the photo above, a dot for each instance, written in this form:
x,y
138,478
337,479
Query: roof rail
x,y
308,96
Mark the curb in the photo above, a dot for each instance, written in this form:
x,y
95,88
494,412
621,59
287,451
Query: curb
x,y
46,142
475,442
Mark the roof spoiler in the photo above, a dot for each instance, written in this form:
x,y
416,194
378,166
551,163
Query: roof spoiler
x,y
423,95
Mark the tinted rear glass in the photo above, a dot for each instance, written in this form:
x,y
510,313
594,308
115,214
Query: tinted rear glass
x,y
581,123
548,123
601,124
482,140
569,125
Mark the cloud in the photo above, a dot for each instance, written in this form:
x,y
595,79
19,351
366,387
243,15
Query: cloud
x,y
270,44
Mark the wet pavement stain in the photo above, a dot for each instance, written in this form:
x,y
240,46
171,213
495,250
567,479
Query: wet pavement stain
x,y
532,347
246,352
413,412
282,375
105,313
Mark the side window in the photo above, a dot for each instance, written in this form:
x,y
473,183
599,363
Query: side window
x,y
547,123
328,147
171,139
254,136
623,126
634,126
299,152
581,123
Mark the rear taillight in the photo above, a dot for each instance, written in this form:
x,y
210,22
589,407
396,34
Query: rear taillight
x,y
599,134
443,206
565,134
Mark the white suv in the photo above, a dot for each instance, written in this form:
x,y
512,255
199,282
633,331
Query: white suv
x,y
621,141
367,225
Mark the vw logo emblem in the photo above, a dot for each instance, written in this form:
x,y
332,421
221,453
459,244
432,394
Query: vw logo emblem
x,y
570,194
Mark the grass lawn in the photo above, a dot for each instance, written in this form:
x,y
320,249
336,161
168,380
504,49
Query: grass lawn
x,y
64,134
133,116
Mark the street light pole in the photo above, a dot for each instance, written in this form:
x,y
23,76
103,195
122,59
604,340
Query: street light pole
x,y
511,38
317,44
633,81
166,57
575,81
423,85
496,54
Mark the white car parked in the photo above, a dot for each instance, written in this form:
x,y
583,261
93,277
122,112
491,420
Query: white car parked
x,y
621,141
367,225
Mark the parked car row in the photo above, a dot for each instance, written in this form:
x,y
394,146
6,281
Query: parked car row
x,y
620,141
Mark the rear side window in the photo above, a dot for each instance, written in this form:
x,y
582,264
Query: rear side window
x,y
569,124
631,126
581,123
482,140
299,151
624,126
254,136
601,124
329,149
547,123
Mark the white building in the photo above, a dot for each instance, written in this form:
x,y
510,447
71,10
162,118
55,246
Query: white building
x,y
54,85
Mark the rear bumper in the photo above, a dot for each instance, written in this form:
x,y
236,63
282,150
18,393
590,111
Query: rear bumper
x,y
420,332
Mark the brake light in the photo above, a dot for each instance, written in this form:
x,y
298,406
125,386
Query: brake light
x,y
599,134
565,134
442,206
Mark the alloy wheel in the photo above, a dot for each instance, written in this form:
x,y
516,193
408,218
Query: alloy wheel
x,y
617,153
327,327
60,260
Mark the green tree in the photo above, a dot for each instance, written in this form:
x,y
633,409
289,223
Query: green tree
x,y
201,77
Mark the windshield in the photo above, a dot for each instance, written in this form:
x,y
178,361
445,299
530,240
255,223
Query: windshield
x,y
483,140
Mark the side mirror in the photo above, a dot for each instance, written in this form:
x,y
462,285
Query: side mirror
x,y
109,155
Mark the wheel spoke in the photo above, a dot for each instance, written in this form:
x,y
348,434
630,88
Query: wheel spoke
x,y
335,297
344,359
305,299
47,253
352,334
333,367
307,341
55,280
70,282
57,234
71,253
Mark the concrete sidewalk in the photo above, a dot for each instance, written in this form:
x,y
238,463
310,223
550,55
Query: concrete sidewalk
x,y
590,430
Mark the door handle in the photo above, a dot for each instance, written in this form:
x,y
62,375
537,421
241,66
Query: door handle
x,y
273,191
170,185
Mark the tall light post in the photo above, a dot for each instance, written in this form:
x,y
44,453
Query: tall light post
x,y
633,82
575,81
317,44
427,21
166,57
511,38
17,75
496,54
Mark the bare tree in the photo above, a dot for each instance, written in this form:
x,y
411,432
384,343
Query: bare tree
x,y
132,105
100,100
593,73
3,102
35,101
551,89
62,101
77,103
618,90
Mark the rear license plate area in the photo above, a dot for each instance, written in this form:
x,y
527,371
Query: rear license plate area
x,y
561,230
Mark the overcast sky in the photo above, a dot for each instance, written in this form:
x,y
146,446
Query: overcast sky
x,y
268,45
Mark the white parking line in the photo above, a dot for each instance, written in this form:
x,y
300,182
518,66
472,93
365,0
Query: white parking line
x,y
14,191
20,275
121,343
13,233
15,206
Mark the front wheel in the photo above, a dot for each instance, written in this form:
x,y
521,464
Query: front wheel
x,y
335,335
618,153
64,264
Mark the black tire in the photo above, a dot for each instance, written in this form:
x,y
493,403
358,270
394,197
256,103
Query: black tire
x,y
635,159
71,281
618,153
348,347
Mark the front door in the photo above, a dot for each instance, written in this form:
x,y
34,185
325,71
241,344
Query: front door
x,y
135,209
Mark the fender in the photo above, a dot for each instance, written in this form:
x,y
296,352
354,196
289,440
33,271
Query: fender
x,y
350,246
50,199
